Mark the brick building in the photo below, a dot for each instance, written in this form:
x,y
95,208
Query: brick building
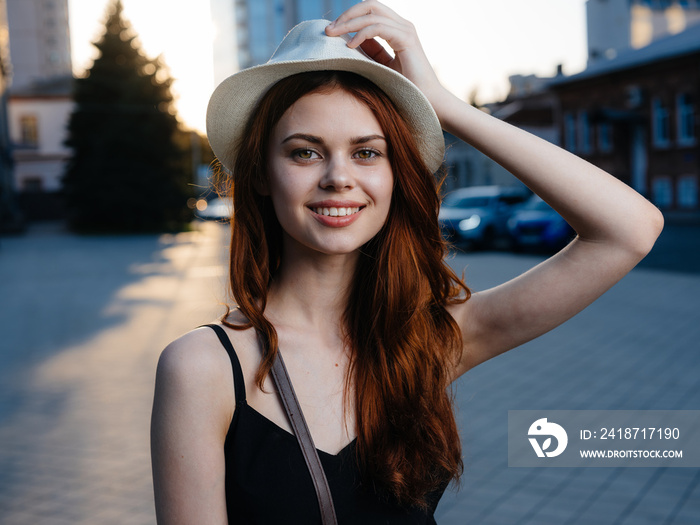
x,y
615,26
636,116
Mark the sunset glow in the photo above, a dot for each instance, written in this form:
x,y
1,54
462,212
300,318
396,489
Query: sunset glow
x,y
178,30
472,44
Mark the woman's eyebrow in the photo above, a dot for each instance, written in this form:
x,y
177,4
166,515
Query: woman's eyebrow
x,y
303,136
318,140
367,138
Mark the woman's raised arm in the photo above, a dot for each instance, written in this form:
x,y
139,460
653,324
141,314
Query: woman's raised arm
x,y
616,227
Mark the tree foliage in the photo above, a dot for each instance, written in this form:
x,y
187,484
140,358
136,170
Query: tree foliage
x,y
126,170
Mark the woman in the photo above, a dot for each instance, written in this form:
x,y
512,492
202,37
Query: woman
x,y
336,260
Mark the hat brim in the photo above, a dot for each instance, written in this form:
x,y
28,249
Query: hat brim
x,y
234,99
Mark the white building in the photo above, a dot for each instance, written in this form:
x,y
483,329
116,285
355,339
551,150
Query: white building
x,y
38,116
40,96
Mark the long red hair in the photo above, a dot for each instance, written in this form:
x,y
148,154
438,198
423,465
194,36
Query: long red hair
x,y
402,341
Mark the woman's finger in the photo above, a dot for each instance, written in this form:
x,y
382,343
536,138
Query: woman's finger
x,y
368,7
366,14
395,37
376,51
400,35
359,23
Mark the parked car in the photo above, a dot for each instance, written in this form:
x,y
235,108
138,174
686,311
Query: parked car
x,y
217,209
536,225
478,216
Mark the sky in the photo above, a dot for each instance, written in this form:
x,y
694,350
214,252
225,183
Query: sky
x,y
472,44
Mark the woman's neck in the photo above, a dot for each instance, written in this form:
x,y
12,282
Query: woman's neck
x,y
309,291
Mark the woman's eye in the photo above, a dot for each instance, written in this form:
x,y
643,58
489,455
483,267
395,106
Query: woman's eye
x,y
304,154
366,154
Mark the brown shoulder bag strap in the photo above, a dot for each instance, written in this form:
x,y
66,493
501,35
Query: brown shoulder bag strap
x,y
306,442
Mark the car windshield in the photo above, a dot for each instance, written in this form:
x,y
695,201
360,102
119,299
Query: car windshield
x,y
455,201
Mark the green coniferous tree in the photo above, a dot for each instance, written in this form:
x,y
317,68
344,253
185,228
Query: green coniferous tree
x,y
125,172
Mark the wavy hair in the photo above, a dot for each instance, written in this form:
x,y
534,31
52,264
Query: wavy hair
x,y
401,338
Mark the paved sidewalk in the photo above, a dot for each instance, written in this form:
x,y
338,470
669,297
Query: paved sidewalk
x,y
82,322
636,348
83,319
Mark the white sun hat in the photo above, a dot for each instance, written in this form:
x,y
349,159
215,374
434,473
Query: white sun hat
x,y
307,48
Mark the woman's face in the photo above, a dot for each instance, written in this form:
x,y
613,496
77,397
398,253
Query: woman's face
x,y
329,175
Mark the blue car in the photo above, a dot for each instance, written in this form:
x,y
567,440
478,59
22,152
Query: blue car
x,y
477,216
535,225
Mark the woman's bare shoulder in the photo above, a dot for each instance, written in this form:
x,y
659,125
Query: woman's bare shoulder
x,y
198,358
194,382
196,353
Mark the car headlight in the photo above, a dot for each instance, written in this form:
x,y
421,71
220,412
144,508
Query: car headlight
x,y
470,223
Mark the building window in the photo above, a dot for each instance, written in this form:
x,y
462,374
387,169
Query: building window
x,y
685,119
29,130
570,132
605,137
585,143
687,191
662,192
661,123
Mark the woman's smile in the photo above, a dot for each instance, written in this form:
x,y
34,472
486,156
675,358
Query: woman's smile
x,y
336,214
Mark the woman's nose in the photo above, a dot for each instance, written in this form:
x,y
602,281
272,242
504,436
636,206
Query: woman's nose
x,y
338,175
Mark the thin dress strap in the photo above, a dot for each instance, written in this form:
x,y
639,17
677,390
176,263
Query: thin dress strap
x,y
238,383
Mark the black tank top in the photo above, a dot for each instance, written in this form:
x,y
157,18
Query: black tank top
x,y
268,483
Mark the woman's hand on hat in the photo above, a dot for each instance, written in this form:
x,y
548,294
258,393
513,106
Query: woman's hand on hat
x,y
372,19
